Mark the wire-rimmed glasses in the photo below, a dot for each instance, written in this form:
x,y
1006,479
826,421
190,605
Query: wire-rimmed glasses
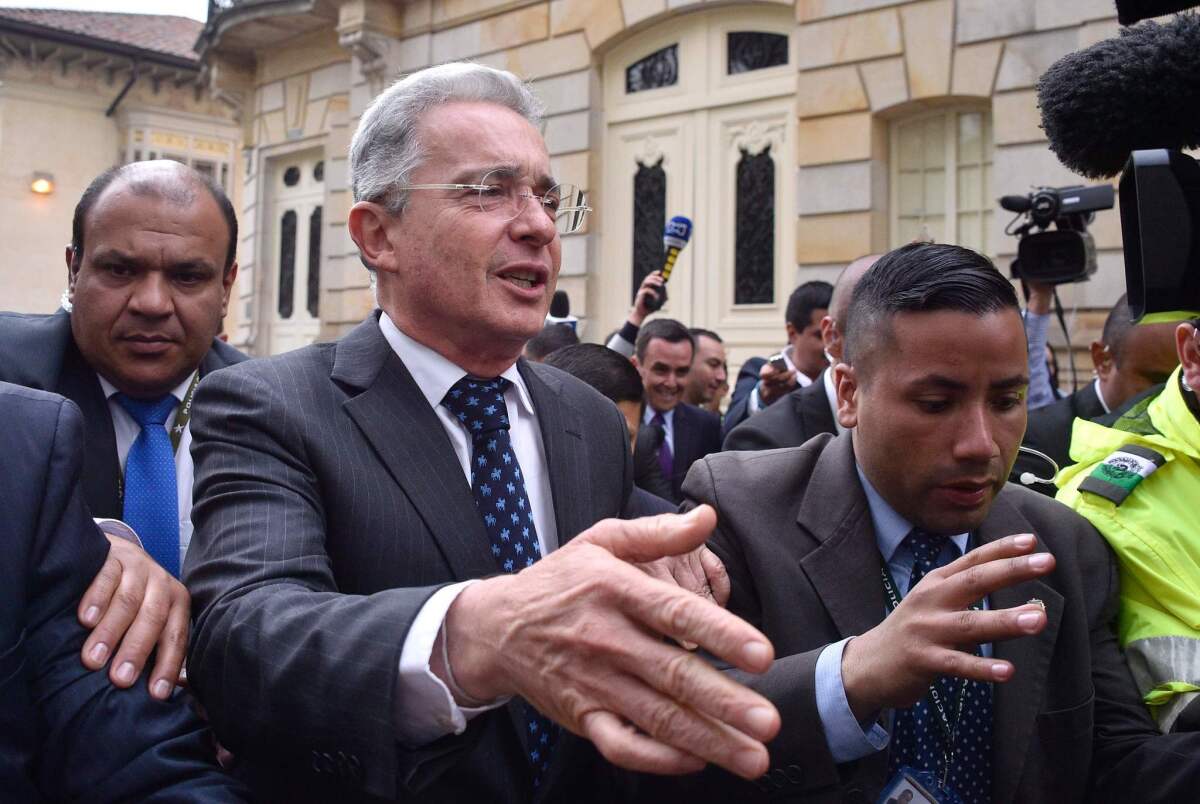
x,y
499,193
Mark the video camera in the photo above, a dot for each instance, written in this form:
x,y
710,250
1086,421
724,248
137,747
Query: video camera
x,y
1062,255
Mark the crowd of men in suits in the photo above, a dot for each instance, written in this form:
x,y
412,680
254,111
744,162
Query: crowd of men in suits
x,y
415,565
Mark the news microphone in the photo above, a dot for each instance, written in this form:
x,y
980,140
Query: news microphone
x,y
676,235
560,310
1016,203
1137,91
1131,11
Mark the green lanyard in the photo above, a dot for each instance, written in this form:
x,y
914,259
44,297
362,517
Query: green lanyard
x,y
182,417
949,727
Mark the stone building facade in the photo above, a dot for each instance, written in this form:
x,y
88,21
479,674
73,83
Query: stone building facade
x,y
79,93
797,135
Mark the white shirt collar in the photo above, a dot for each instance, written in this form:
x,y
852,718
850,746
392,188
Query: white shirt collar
x,y
179,391
648,414
433,373
1100,395
831,395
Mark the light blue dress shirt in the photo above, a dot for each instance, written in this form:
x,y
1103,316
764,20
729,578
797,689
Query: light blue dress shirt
x,y
847,738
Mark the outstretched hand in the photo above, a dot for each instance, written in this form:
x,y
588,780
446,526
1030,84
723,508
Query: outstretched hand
x,y
579,636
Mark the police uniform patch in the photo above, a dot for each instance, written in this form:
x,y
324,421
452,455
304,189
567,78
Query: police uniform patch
x,y
1120,472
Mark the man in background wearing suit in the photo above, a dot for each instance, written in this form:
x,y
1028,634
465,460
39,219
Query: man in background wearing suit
x,y
399,565
812,409
149,270
66,734
997,670
683,433
1129,359
760,384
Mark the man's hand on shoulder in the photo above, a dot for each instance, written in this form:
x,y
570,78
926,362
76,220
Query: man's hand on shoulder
x,y
579,636
933,631
135,605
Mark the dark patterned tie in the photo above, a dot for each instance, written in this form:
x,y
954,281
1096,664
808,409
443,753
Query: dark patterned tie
x,y
666,461
918,733
151,504
499,489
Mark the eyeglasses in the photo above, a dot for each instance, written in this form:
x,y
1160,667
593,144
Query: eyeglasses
x,y
498,194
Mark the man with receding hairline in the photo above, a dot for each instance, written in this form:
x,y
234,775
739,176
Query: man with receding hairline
x,y
149,270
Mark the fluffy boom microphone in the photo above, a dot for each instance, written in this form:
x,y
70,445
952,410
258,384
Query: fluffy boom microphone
x,y
1136,91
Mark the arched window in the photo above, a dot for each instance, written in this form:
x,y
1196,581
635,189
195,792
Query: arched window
x,y
941,171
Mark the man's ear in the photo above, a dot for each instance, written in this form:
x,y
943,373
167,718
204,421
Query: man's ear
x,y
1102,360
368,225
1187,344
790,330
846,383
71,273
227,281
829,333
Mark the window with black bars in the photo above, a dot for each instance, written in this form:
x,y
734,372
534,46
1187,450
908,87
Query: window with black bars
x,y
649,220
287,262
747,51
754,250
314,263
659,69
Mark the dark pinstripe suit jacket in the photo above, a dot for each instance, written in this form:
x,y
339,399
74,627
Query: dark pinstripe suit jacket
x,y
330,506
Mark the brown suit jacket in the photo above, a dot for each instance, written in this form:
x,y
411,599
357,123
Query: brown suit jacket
x,y
796,536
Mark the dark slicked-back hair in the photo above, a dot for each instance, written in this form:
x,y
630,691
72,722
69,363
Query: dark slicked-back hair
x,y
607,371
552,338
665,329
180,194
1117,327
814,295
922,278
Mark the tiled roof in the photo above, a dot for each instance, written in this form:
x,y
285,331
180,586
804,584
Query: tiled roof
x,y
160,33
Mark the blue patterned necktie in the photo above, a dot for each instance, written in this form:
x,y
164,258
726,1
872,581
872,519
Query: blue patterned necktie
x,y
918,733
151,499
666,460
499,490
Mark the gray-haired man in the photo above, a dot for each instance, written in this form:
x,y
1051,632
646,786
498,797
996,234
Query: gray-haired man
x,y
351,495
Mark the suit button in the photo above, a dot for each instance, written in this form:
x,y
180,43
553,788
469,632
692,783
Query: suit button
x,y
855,795
779,778
322,762
794,774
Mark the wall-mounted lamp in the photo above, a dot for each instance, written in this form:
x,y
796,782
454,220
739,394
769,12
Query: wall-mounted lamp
x,y
42,184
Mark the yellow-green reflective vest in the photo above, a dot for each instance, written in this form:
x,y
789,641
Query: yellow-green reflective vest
x,y
1138,483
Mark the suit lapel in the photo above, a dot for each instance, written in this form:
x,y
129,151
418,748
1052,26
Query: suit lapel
x,y
101,466
1017,702
814,409
847,561
411,443
566,453
685,446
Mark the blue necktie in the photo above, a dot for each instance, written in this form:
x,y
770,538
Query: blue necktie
x,y
151,500
666,460
918,733
499,490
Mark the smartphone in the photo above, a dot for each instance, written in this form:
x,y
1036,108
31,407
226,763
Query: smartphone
x,y
777,362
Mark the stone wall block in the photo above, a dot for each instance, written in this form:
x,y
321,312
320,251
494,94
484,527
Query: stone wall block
x,y
572,169
1093,32
414,53
847,39
975,69
928,46
1054,14
1016,118
822,189
458,43
978,20
329,80
567,133
841,138
807,10
1027,57
638,10
515,28
445,11
575,257
563,54
830,91
886,81
835,238
564,93
600,20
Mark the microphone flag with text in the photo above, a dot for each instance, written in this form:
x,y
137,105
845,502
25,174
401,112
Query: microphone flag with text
x,y
676,235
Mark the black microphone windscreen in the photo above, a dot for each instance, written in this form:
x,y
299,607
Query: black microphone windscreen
x,y
1016,203
560,305
1136,91
1131,11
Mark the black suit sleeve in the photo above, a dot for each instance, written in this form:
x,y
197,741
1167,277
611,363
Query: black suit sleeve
x,y
739,400
94,742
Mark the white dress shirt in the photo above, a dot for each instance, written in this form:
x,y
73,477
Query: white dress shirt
x,y
126,429
648,415
831,395
425,708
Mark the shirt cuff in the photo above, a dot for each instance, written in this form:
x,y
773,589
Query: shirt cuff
x,y
845,736
754,403
118,529
425,708
1037,326
623,341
